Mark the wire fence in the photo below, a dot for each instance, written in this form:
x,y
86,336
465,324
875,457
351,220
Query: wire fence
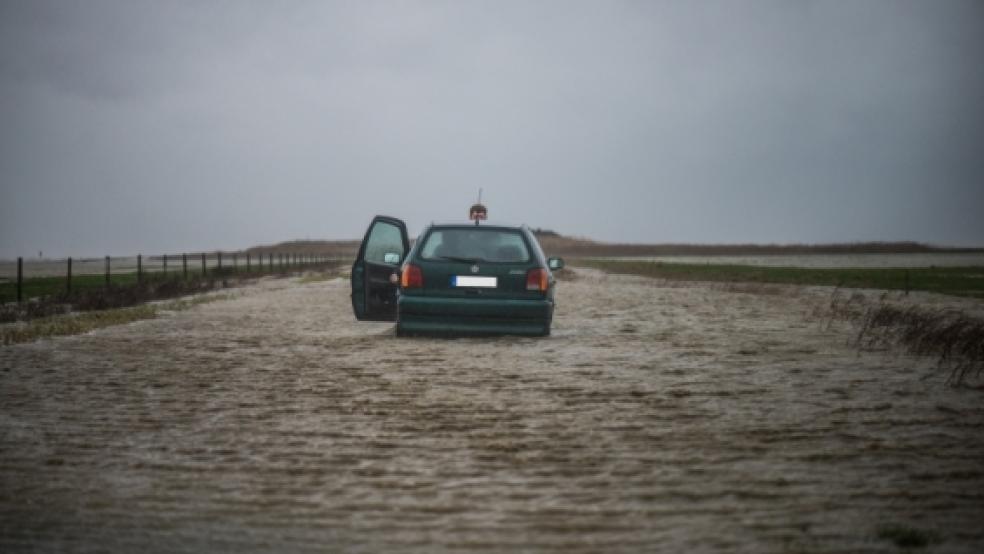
x,y
24,279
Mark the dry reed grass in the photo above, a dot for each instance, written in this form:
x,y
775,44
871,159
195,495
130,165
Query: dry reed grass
x,y
953,337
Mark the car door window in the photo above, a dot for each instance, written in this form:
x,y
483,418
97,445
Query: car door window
x,y
385,240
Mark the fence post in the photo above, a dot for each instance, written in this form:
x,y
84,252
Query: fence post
x,y
907,282
235,261
139,268
165,264
184,265
203,264
271,262
20,278
247,262
107,271
68,280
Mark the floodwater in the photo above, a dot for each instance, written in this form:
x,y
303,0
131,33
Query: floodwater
x,y
673,417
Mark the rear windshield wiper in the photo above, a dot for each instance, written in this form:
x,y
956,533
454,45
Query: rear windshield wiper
x,y
460,259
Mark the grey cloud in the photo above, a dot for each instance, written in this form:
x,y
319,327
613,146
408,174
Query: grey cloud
x,y
168,126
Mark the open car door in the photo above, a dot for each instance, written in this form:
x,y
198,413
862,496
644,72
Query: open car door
x,y
380,255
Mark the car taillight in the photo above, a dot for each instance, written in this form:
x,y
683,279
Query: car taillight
x,y
536,279
412,277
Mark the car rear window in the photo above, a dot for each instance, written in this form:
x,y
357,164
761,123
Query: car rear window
x,y
477,244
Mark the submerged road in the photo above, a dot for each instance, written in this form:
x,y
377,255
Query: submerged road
x,y
658,417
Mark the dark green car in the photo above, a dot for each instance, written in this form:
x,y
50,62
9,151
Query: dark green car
x,y
460,279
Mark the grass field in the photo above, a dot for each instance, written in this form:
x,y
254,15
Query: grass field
x,y
36,287
74,324
956,281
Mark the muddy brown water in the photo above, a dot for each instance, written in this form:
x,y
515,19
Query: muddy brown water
x,y
658,417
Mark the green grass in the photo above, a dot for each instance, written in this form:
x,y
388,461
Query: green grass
x,y
955,281
37,287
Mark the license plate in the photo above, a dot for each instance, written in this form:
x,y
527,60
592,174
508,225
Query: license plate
x,y
472,281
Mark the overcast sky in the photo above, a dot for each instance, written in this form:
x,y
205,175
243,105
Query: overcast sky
x,y
167,126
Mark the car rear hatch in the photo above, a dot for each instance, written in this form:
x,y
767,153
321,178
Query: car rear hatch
x,y
468,279
461,262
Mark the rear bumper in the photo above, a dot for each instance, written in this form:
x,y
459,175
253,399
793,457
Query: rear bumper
x,y
428,314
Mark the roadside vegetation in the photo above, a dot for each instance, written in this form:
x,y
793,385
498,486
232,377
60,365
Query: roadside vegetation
x,y
77,323
953,337
556,244
48,296
955,281
89,284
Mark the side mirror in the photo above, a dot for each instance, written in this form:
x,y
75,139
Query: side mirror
x,y
391,258
555,263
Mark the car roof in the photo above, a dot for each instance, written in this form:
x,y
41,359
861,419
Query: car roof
x,y
471,224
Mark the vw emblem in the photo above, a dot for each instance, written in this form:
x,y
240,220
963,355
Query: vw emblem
x,y
474,269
